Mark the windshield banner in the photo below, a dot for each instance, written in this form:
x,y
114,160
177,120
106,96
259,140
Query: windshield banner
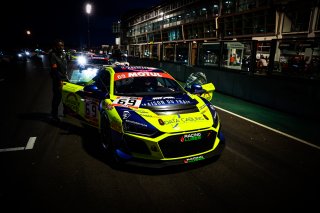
x,y
123,75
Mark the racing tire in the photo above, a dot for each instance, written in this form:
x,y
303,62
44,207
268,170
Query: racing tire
x,y
105,132
106,139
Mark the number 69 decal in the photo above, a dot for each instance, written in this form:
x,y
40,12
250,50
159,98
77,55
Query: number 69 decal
x,y
127,101
91,109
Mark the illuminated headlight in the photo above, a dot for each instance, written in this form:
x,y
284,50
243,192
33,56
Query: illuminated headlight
x,y
82,60
19,55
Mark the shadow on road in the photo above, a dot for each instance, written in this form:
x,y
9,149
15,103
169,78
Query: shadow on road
x,y
91,144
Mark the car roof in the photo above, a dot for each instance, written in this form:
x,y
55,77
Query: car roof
x,y
118,69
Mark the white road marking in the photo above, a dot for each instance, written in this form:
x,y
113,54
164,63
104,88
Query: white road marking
x,y
267,127
12,149
29,145
31,142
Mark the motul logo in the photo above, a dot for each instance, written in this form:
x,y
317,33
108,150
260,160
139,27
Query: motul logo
x,y
144,74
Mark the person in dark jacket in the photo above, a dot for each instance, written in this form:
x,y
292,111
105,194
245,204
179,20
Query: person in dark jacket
x,y
58,72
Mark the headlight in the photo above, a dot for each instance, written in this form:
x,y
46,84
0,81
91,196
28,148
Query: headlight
x,y
139,128
82,60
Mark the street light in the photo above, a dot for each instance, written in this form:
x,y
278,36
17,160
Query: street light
x,y
28,39
88,11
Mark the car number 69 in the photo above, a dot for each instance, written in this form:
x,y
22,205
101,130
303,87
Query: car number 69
x,y
127,101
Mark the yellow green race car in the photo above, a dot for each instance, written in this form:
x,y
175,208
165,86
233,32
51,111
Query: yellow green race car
x,y
144,116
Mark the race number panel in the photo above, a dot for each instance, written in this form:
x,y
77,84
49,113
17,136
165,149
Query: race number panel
x,y
91,111
127,101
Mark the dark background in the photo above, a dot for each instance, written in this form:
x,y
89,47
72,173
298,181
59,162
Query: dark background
x,y
65,19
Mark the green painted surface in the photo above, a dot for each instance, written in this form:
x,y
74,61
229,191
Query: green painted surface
x,y
303,128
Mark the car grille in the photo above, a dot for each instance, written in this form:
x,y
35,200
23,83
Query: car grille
x,y
173,147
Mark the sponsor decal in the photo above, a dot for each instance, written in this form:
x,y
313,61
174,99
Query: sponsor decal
x,y
72,102
144,113
183,120
136,123
174,122
193,159
191,137
126,114
109,106
159,98
122,75
133,68
165,101
144,74
138,68
141,111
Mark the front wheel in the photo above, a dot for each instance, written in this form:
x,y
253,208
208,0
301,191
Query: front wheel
x,y
106,139
105,133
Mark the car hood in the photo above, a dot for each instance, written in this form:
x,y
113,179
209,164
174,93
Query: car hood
x,y
169,113
169,104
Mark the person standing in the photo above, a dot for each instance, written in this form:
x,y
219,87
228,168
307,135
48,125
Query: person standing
x,y
58,72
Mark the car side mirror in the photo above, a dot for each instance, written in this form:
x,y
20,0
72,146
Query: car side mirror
x,y
95,91
91,88
196,89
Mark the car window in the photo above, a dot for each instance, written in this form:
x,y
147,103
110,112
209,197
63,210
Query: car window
x,y
149,85
102,80
79,75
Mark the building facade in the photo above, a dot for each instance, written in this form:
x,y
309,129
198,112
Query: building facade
x,y
254,36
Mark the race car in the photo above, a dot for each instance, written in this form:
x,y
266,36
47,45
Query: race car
x,y
144,116
99,59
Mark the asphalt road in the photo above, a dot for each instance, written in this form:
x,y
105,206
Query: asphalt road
x,y
60,168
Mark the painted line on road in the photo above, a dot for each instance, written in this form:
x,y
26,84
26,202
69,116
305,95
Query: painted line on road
x,y
29,145
31,142
12,149
275,130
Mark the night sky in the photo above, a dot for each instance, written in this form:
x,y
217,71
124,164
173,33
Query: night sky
x,y
65,19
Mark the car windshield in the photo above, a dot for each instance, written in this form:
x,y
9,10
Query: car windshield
x,y
142,86
81,75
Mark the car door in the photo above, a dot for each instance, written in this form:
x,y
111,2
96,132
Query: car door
x,y
91,97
